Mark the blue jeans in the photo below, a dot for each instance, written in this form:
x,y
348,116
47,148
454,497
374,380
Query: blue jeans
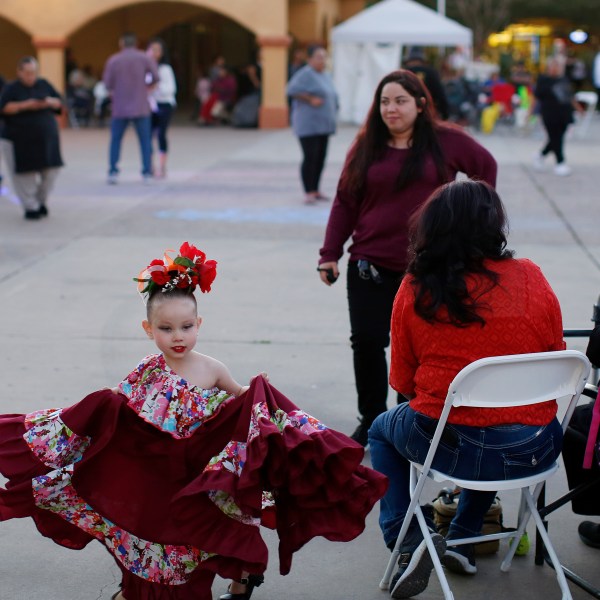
x,y
498,452
118,125
160,122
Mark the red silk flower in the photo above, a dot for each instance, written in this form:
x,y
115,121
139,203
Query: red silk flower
x,y
158,272
192,253
207,272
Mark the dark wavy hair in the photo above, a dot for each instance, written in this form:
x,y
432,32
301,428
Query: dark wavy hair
x,y
462,224
372,139
164,59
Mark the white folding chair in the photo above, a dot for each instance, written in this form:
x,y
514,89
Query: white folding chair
x,y
494,382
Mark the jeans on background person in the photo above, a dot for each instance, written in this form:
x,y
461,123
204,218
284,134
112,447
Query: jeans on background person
x,y
160,122
314,149
498,452
370,304
118,125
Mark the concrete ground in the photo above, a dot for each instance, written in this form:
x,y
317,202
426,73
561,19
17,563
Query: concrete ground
x,y
70,320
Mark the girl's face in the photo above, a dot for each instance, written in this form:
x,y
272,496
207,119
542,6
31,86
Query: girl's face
x,y
174,327
398,109
155,51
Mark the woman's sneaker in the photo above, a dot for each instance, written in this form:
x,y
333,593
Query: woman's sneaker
x,y
460,559
415,577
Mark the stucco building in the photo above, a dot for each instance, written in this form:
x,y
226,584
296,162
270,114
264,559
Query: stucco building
x,y
87,31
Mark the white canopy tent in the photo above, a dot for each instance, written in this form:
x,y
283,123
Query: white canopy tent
x,y
369,45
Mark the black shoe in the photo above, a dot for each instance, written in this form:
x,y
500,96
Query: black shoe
x,y
32,215
43,211
403,563
589,533
415,576
460,559
251,582
361,434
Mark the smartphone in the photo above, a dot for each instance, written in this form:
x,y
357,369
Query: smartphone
x,y
330,276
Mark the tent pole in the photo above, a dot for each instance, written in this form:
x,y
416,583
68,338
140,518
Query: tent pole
x,y
441,7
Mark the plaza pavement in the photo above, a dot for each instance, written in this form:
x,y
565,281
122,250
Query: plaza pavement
x,y
70,320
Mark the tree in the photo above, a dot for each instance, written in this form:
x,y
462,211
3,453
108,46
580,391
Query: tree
x,y
482,17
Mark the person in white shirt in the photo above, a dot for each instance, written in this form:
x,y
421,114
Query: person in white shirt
x,y
596,74
162,101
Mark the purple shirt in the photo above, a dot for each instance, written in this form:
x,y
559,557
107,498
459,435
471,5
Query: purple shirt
x,y
378,222
125,78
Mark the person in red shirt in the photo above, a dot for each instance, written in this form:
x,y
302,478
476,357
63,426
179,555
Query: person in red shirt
x,y
399,157
465,297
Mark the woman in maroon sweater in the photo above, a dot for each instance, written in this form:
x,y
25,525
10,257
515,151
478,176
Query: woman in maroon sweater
x,y
399,157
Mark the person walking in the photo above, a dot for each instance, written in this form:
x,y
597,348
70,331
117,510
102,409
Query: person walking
x,y
314,107
128,74
399,157
415,62
555,96
30,141
162,99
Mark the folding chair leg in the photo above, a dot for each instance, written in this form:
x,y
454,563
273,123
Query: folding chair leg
x,y
523,519
437,565
560,574
416,485
385,581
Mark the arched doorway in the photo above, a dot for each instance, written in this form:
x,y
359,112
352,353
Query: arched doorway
x,y
15,44
193,34
88,29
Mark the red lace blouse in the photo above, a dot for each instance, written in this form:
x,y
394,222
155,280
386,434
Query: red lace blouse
x,y
522,315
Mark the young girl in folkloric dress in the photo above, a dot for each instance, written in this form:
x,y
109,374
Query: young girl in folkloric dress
x,y
175,469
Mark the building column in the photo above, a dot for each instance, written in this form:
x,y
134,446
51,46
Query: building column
x,y
274,60
51,58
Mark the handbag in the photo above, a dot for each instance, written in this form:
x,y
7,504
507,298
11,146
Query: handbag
x,y
444,509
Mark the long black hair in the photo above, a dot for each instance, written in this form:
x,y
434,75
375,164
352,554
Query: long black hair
x,y
462,224
372,139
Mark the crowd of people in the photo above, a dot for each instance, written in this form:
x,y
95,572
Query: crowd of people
x,y
429,272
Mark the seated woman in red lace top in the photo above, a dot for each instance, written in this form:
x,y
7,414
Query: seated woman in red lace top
x,y
465,297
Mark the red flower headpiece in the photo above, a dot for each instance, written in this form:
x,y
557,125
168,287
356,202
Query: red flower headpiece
x,y
185,271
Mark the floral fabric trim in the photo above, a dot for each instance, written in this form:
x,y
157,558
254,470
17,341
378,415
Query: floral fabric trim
x,y
159,563
167,401
233,457
51,441
229,508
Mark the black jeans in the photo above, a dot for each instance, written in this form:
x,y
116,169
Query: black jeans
x,y
314,148
160,122
370,306
556,130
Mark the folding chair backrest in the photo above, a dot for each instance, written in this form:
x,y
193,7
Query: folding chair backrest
x,y
520,379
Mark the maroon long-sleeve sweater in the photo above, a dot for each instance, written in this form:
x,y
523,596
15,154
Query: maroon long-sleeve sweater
x,y
378,222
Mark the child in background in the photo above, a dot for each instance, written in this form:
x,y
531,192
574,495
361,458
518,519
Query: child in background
x,y
174,469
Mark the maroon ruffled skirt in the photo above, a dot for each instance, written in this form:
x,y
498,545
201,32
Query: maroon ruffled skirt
x,y
174,512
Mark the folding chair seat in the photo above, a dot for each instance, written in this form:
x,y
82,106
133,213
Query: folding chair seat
x,y
499,381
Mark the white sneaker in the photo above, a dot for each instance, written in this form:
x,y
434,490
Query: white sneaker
x,y
112,179
538,162
562,169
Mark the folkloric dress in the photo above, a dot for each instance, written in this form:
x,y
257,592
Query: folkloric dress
x,y
175,480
